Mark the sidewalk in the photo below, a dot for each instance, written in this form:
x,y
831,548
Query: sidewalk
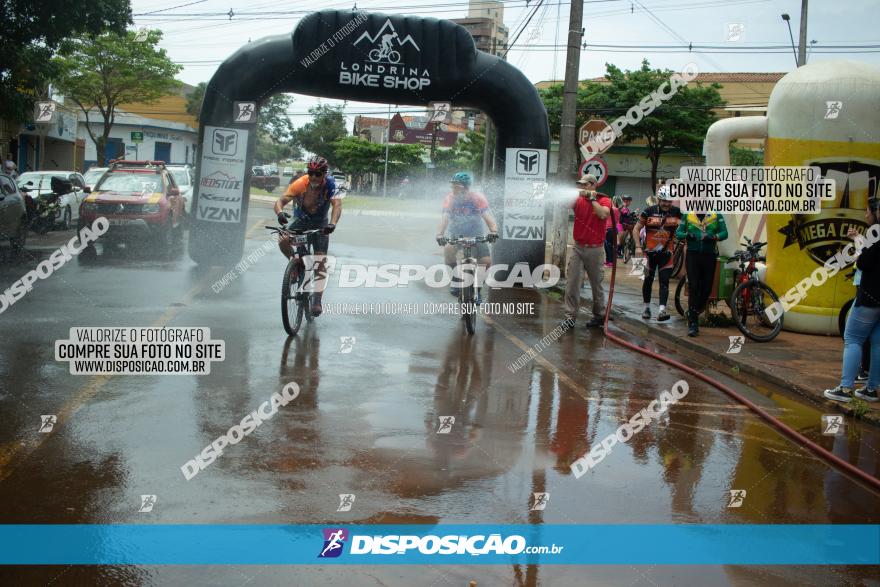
x,y
805,364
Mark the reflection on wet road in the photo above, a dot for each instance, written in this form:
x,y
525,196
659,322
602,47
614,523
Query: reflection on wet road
x,y
420,423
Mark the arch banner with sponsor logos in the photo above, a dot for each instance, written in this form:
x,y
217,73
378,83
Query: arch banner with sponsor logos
x,y
353,55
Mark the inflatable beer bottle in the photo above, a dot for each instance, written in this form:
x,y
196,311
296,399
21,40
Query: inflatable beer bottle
x,y
826,114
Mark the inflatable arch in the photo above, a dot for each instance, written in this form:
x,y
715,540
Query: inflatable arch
x,y
367,57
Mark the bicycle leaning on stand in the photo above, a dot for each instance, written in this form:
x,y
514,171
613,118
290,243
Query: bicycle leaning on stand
x,y
750,298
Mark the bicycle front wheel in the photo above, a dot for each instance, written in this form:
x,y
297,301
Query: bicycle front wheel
x,y
467,300
629,248
292,304
748,304
677,260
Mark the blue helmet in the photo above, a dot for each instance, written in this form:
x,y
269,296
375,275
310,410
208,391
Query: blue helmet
x,y
463,178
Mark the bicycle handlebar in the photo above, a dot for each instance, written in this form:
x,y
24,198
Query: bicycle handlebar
x,y
464,240
294,232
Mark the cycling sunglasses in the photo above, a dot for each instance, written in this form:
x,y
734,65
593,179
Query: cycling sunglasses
x,y
316,173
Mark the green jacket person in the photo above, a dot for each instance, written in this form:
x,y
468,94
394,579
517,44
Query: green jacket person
x,y
701,232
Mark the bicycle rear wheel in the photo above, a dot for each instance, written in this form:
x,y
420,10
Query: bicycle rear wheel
x,y
748,304
681,296
293,301
629,247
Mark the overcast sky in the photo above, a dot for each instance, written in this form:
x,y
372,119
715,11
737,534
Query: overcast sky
x,y
201,42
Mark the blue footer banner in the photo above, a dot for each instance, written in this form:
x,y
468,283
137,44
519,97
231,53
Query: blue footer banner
x,y
698,544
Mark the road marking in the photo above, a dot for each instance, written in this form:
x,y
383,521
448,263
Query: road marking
x,y
25,448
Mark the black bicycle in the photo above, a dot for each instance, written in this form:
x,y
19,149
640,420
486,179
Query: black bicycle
x,y
294,299
469,296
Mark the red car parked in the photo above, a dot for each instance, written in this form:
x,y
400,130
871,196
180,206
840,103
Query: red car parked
x,y
140,200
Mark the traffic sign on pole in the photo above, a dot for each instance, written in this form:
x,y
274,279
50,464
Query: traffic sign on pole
x,y
597,167
598,134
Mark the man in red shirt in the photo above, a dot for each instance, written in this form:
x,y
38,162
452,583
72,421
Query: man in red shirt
x,y
591,209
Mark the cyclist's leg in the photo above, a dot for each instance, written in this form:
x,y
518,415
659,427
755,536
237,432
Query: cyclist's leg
x,y
449,258
318,270
648,284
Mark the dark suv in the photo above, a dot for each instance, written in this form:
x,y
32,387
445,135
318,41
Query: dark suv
x,y
140,199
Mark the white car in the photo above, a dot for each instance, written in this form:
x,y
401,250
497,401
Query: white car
x,y
184,178
341,180
93,176
38,185
288,172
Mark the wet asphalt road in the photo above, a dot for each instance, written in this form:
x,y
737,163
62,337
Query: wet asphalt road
x,y
365,422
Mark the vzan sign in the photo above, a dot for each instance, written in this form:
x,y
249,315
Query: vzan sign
x,y
381,68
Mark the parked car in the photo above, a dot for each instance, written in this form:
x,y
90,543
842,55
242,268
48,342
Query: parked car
x,y
38,185
185,178
13,214
260,179
92,176
141,200
341,179
288,172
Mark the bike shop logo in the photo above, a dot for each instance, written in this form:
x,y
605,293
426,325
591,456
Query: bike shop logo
x,y
527,162
334,541
382,67
225,142
823,235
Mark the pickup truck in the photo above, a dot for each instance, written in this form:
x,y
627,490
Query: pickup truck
x,y
259,179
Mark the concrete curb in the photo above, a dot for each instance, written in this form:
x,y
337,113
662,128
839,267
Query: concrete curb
x,y
622,319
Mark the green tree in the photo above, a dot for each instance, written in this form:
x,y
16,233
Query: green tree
x,y
110,70
194,100
273,119
678,123
32,31
465,155
745,157
361,157
326,127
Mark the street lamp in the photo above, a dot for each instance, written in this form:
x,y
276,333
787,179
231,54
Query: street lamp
x,y
787,20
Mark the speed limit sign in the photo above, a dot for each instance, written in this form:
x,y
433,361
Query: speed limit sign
x,y
597,167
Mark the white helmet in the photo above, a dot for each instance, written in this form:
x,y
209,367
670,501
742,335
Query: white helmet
x,y
663,193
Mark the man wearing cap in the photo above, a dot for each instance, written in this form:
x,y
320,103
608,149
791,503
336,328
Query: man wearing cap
x,y
591,209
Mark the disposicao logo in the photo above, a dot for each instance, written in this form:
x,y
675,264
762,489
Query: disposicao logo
x,y
334,540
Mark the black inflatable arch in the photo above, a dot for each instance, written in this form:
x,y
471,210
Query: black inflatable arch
x,y
338,54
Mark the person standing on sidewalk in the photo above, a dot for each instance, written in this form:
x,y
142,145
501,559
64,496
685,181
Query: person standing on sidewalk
x,y
660,223
702,233
863,323
609,230
591,210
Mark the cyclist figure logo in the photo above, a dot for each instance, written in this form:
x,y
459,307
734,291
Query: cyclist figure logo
x,y
147,503
736,498
346,501
539,501
638,268
47,423
832,424
346,344
736,344
446,423
334,539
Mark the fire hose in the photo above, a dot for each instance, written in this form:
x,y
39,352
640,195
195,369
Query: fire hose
x,y
823,454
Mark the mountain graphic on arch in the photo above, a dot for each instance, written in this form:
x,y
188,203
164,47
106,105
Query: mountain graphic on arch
x,y
382,31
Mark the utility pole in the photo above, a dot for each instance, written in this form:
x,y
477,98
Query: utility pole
x,y
487,148
802,40
567,167
387,143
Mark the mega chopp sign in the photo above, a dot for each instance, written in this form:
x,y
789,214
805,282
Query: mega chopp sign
x,y
368,57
